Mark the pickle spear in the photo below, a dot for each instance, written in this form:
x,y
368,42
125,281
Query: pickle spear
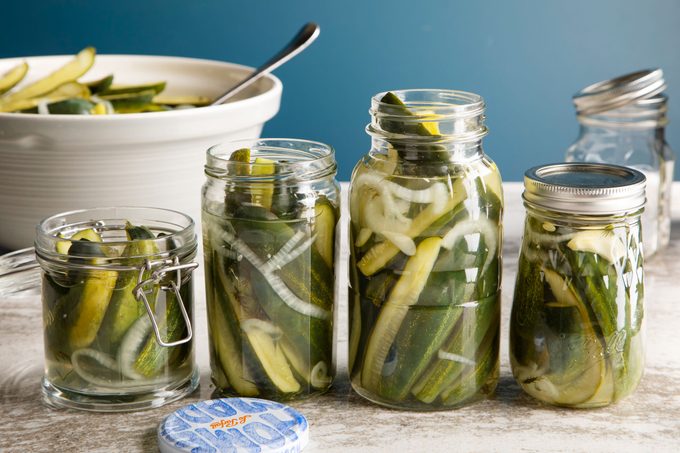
x,y
402,297
94,297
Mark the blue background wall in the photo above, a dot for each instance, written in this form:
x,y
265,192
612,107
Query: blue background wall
x,y
525,57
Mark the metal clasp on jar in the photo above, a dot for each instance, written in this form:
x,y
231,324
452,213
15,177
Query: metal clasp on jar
x,y
148,285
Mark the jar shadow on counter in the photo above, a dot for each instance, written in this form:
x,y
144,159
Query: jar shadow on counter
x,y
20,382
508,393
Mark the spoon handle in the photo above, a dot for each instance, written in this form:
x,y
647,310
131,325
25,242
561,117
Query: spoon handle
x,y
307,34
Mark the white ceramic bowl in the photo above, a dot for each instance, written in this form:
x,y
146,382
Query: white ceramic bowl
x,y
55,163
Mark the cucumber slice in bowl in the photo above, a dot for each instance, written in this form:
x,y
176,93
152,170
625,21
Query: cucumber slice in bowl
x,y
12,77
70,72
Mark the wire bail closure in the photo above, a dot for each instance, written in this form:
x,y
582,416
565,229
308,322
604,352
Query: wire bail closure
x,y
147,286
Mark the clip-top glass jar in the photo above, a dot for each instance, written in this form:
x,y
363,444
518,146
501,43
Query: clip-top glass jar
x,y
270,210
425,241
576,334
117,299
623,122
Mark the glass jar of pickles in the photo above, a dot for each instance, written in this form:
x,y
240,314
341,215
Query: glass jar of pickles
x,y
576,335
270,211
117,300
623,122
425,244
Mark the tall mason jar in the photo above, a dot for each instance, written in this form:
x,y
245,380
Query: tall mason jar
x,y
117,295
270,211
425,244
623,122
576,335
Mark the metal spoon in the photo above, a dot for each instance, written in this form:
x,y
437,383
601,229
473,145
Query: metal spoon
x,y
300,42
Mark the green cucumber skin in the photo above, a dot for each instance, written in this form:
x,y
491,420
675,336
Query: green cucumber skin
x,y
74,106
98,86
436,156
475,324
124,308
433,318
308,276
607,300
421,335
225,297
173,364
437,320
480,379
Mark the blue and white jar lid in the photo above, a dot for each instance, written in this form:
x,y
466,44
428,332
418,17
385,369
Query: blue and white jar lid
x,y
234,424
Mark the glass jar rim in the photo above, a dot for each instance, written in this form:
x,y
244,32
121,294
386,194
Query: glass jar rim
x,y
293,158
641,114
179,241
449,104
619,91
451,116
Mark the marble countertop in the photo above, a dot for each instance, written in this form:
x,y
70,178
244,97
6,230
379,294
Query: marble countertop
x,y
341,421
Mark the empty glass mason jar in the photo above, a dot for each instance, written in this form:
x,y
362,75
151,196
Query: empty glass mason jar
x,y
623,122
425,242
576,335
117,299
270,210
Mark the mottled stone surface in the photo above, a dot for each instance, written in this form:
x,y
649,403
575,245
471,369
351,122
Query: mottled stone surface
x,y
341,421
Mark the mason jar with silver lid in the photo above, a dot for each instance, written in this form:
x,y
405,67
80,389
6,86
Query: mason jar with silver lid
x,y
623,122
576,335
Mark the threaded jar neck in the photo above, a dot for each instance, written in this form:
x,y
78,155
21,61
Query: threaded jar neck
x,y
272,160
427,115
643,114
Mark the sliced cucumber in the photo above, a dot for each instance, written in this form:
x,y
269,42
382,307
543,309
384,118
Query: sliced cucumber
x,y
241,159
124,308
12,77
63,92
381,253
71,107
263,191
583,378
601,242
393,312
228,348
130,102
273,360
71,71
175,101
94,301
259,348
324,229
478,320
115,90
98,86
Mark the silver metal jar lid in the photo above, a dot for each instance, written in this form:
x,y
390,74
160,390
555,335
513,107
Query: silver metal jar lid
x,y
584,188
620,91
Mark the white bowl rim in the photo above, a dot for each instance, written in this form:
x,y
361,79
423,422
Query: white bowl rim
x,y
275,90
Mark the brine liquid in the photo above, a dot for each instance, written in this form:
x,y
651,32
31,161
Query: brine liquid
x,y
425,286
270,298
122,363
576,325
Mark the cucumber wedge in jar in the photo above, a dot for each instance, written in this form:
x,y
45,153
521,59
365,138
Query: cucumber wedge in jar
x,y
95,294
